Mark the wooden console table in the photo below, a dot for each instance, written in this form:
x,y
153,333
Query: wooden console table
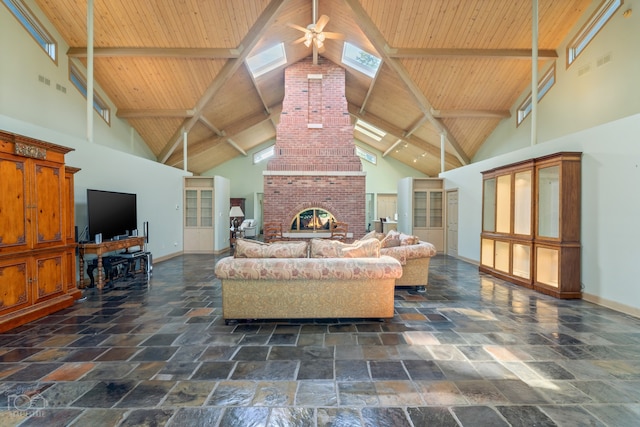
x,y
100,249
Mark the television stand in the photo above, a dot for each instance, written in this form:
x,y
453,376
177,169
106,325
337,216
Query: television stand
x,y
100,249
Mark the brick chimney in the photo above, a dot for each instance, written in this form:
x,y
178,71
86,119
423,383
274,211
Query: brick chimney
x,y
315,164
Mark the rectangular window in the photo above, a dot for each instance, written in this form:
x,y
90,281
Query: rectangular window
x,y
80,82
366,155
263,154
591,28
547,81
28,20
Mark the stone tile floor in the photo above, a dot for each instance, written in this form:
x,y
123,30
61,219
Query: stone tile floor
x,y
471,351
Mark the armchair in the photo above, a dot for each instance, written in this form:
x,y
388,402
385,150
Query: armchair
x,y
248,228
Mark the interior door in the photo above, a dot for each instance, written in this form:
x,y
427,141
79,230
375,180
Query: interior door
x,y
452,222
387,205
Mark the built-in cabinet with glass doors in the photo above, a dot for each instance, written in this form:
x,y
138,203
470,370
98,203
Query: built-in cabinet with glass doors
x,y
421,209
198,214
531,224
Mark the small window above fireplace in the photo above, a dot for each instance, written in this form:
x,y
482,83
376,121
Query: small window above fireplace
x,y
313,219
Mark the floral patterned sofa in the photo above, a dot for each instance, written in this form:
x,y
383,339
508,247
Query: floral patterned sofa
x,y
315,279
414,255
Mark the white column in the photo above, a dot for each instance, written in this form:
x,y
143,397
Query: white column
x,y
442,151
184,150
90,70
534,73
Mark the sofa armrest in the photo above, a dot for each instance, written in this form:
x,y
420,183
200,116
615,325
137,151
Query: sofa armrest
x,y
404,253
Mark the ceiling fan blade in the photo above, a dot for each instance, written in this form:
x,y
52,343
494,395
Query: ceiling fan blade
x,y
336,36
300,40
321,23
298,27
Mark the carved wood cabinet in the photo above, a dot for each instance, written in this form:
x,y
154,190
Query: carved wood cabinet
x,y
37,239
531,224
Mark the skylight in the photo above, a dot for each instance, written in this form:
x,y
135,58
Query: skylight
x,y
267,60
369,130
362,61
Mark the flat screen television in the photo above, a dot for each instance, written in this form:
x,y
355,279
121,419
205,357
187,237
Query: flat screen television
x,y
112,214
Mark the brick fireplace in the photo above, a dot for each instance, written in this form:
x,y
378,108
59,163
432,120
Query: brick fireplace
x,y
315,164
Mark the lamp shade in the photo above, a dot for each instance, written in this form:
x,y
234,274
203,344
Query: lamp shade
x,y
235,211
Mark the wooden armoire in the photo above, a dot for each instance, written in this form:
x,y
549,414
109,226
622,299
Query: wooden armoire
x,y
37,232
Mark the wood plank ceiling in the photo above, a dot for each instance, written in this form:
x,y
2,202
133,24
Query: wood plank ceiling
x,y
448,66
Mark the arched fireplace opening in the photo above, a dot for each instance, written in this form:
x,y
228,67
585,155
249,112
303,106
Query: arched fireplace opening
x,y
312,219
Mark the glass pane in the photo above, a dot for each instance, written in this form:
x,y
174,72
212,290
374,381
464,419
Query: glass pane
x,y
502,256
503,204
547,266
549,201
489,205
521,260
420,209
191,208
435,209
522,203
206,208
486,258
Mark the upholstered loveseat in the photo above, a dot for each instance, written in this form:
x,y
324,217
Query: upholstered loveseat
x,y
414,255
316,279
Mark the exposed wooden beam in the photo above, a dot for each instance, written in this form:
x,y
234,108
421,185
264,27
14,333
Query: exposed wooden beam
x,y
211,126
399,133
236,146
366,97
416,126
199,147
375,36
474,114
202,53
129,113
469,53
390,149
262,24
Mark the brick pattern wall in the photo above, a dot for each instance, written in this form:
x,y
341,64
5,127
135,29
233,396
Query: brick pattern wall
x,y
315,164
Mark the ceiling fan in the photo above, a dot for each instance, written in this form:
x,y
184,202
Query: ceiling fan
x,y
313,34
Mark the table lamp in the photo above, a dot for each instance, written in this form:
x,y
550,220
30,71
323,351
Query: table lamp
x,y
235,212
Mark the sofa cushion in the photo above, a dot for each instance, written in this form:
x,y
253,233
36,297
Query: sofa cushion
x,y
407,240
255,249
373,234
323,248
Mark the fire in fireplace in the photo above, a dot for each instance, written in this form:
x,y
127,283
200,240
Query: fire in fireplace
x,y
313,219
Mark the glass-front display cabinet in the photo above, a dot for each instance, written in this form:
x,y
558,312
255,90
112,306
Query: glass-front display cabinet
x,y
428,211
531,224
507,226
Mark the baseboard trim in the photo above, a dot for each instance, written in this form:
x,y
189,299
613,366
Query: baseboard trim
x,y
166,257
622,308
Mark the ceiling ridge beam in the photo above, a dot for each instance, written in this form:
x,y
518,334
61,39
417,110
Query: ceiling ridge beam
x,y
471,114
468,53
378,41
159,52
261,25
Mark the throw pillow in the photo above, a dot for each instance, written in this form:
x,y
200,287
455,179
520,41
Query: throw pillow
x,y
373,234
369,248
321,248
391,240
407,240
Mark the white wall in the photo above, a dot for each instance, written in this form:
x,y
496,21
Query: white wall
x,y
116,160
596,113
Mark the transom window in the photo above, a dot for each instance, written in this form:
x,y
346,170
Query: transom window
x,y
547,81
80,82
591,28
264,154
33,26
